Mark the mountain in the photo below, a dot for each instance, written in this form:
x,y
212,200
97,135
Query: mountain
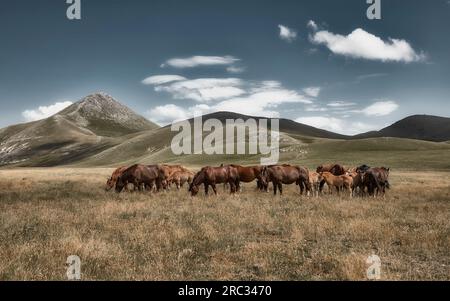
x,y
419,127
286,126
93,124
99,131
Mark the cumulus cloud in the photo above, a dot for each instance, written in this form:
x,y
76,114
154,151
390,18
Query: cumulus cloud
x,y
336,125
381,108
287,34
162,79
198,61
363,45
312,91
45,111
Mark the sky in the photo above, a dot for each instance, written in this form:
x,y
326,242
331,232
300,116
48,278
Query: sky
x,y
322,62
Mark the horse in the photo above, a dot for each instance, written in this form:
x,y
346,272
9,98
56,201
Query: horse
x,y
113,179
285,174
141,175
314,182
339,182
377,178
180,178
210,176
335,169
250,174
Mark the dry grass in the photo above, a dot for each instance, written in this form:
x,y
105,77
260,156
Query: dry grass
x,y
49,214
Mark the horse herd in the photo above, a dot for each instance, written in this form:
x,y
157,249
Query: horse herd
x,y
358,181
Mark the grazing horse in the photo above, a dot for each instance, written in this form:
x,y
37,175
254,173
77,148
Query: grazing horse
x,y
377,178
113,179
286,174
141,175
210,176
180,178
339,182
250,174
314,182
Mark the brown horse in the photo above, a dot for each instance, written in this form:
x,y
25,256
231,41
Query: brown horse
x,y
113,179
376,180
250,174
335,169
285,174
338,182
180,178
141,175
314,182
210,176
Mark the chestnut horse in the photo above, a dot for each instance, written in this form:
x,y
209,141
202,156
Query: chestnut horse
x,y
286,174
335,169
339,182
140,175
250,174
113,179
210,176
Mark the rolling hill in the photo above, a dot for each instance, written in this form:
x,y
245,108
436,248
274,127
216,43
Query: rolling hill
x,y
99,131
419,127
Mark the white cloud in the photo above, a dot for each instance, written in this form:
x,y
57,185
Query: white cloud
x,y
287,34
196,61
262,103
227,94
340,104
204,89
315,108
311,24
45,111
162,79
234,69
336,125
363,45
312,91
381,108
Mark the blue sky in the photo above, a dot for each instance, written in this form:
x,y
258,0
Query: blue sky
x,y
318,62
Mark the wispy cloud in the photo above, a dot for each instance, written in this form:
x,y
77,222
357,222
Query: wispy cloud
x,y
312,91
363,45
287,34
340,104
45,111
197,61
337,125
261,98
235,69
162,79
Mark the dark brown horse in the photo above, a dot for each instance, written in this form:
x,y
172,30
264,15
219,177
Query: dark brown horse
x,y
141,175
376,178
286,174
210,176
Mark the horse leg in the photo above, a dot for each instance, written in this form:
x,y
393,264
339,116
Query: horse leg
x,y
214,188
275,185
280,188
206,188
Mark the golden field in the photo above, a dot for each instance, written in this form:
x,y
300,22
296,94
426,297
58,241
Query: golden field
x,y
48,214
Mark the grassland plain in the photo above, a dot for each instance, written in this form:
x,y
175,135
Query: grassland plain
x,y
48,214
